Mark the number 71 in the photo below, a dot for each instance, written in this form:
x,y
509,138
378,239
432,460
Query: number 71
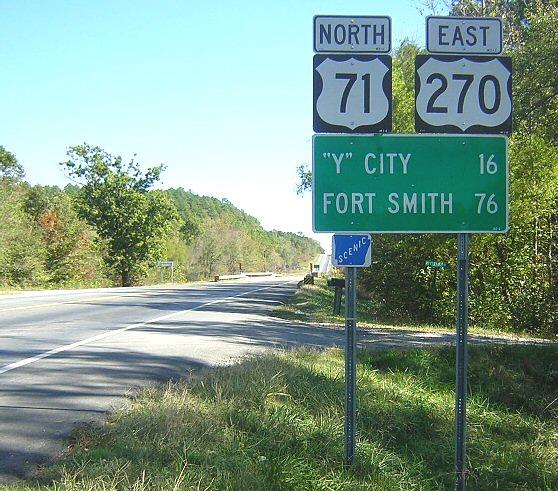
x,y
351,79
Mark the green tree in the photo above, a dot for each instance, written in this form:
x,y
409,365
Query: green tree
x,y
116,198
304,175
73,255
10,169
535,75
403,89
223,239
22,251
207,250
514,278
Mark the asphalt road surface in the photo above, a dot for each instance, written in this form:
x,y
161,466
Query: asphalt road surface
x,y
67,357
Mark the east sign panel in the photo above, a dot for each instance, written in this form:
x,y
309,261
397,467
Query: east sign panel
x,y
464,35
410,184
463,94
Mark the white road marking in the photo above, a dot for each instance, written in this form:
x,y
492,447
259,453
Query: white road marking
x,y
52,304
61,349
91,298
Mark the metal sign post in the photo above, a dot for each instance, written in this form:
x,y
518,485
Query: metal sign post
x,y
339,285
461,360
433,294
350,365
352,251
352,94
461,87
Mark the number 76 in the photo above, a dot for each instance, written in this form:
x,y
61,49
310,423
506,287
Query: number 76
x,y
490,204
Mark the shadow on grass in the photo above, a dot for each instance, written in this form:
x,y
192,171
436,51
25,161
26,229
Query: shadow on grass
x,y
515,378
276,422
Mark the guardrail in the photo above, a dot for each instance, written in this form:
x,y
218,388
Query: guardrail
x,y
223,277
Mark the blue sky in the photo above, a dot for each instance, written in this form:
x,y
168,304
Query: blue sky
x,y
221,92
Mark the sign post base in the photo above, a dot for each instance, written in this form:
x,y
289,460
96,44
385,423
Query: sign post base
x,y
461,361
350,366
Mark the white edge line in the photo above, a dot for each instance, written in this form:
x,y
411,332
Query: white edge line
x,y
67,347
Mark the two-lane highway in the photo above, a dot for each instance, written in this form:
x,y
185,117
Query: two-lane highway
x,y
68,357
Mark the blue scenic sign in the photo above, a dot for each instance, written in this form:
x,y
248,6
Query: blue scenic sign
x,y
352,250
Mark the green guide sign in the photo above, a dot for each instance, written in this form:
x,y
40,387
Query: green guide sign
x,y
410,183
436,264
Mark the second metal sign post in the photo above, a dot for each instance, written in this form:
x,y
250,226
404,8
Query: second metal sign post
x,y
464,94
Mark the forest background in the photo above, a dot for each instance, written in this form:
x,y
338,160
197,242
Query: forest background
x,y
513,276
51,237
112,228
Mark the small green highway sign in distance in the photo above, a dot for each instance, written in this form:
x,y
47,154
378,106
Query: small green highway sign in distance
x,y
410,183
436,264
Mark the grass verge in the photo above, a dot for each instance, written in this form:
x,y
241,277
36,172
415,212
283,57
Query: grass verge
x,y
275,422
314,304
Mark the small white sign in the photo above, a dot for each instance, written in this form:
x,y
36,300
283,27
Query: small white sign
x,y
463,94
464,35
348,34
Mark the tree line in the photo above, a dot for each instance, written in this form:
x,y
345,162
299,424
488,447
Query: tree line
x,y
513,276
111,227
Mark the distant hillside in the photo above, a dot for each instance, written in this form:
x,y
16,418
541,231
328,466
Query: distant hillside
x,y
45,242
219,238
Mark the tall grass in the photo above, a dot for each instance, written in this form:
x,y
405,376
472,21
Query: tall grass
x,y
314,303
275,422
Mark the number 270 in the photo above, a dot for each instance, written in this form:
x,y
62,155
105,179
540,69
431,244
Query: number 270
x,y
467,80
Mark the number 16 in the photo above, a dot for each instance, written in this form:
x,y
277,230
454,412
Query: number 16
x,y
488,166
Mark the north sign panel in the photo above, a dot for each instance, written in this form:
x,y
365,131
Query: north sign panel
x,y
352,94
410,184
463,94
352,34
